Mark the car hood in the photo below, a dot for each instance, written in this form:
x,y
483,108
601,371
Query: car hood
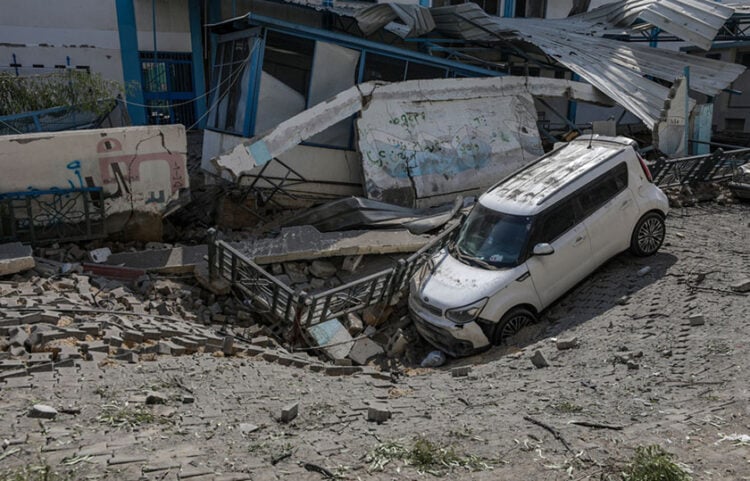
x,y
455,284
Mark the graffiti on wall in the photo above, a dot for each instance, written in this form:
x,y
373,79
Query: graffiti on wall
x,y
420,153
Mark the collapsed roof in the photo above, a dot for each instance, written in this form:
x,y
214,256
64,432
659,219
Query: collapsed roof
x,y
583,43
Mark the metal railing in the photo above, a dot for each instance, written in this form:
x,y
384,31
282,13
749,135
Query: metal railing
x,y
718,165
54,215
275,300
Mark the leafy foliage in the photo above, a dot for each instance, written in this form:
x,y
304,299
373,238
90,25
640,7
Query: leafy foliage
x,y
70,87
425,455
653,463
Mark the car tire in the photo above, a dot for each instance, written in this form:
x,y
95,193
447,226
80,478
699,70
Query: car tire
x,y
511,323
648,235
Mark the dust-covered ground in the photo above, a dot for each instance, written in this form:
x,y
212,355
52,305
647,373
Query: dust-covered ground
x,y
661,358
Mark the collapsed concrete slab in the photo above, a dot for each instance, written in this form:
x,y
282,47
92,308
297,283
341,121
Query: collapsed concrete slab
x,y
480,129
176,260
14,258
307,243
141,171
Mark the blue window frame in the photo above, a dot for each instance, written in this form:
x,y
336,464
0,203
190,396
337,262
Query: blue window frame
x,y
167,83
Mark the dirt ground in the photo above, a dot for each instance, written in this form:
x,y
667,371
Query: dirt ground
x,y
645,371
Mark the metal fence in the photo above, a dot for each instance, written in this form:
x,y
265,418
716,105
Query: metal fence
x,y
278,302
715,166
38,216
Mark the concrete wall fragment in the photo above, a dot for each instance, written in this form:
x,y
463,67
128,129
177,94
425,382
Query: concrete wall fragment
x,y
141,169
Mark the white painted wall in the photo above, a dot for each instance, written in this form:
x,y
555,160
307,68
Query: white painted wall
x,y
43,32
152,160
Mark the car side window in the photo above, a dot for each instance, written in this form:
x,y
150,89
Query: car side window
x,y
556,221
603,189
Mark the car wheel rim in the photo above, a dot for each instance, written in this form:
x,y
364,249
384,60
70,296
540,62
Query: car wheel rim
x,y
513,325
650,235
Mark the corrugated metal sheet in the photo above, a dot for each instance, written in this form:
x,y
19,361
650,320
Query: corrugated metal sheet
x,y
695,21
616,68
414,20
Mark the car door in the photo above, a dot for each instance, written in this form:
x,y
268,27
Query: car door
x,y
610,212
556,273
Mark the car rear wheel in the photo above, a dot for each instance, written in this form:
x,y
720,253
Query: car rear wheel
x,y
512,323
648,235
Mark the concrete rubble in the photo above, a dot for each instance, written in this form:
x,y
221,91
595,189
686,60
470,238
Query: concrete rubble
x,y
14,258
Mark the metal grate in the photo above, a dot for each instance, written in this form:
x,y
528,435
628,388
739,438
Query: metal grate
x,y
715,166
39,216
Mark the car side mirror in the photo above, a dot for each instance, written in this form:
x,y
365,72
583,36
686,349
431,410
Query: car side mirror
x,y
543,249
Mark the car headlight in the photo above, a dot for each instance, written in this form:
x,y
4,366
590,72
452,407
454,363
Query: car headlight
x,y
464,314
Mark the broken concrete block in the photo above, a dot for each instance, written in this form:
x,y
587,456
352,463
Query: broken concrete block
x,y
378,413
742,285
262,341
17,336
396,344
188,344
354,324
341,370
156,397
332,337
14,258
42,411
188,399
363,350
567,343
307,243
460,371
170,348
351,263
538,360
643,271
178,260
227,346
697,320
322,269
247,428
218,286
132,336
99,256
289,412
295,272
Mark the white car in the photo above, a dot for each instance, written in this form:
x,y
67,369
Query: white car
x,y
532,237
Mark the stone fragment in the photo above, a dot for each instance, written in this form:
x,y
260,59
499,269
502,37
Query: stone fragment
x,y
341,370
188,399
156,397
363,350
643,271
132,336
460,371
42,411
742,285
247,428
333,337
697,320
538,360
322,269
227,347
378,413
354,324
567,343
17,336
397,344
376,314
101,255
289,412
351,263
14,258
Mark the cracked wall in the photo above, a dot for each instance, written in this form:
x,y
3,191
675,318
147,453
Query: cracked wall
x,y
142,170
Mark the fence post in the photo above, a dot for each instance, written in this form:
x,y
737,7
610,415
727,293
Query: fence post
x,y
212,254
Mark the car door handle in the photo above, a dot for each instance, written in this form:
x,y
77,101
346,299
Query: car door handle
x,y
625,203
579,239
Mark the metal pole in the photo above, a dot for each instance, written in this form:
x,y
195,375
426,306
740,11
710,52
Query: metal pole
x,y
687,110
156,55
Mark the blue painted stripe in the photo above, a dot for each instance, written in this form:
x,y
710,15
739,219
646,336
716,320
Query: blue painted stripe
x,y
131,63
199,78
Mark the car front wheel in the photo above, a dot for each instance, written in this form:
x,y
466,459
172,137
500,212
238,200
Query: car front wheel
x,y
512,323
648,235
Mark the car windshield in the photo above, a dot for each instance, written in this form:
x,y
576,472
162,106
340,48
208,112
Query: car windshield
x,y
492,239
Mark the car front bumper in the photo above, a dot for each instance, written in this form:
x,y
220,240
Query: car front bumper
x,y
454,340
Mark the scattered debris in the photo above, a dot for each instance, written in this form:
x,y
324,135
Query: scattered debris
x,y
538,360
433,359
289,412
15,257
378,413
42,411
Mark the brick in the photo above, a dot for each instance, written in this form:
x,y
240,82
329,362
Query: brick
x,y
378,413
42,411
186,343
567,343
289,412
342,370
461,371
132,336
170,348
